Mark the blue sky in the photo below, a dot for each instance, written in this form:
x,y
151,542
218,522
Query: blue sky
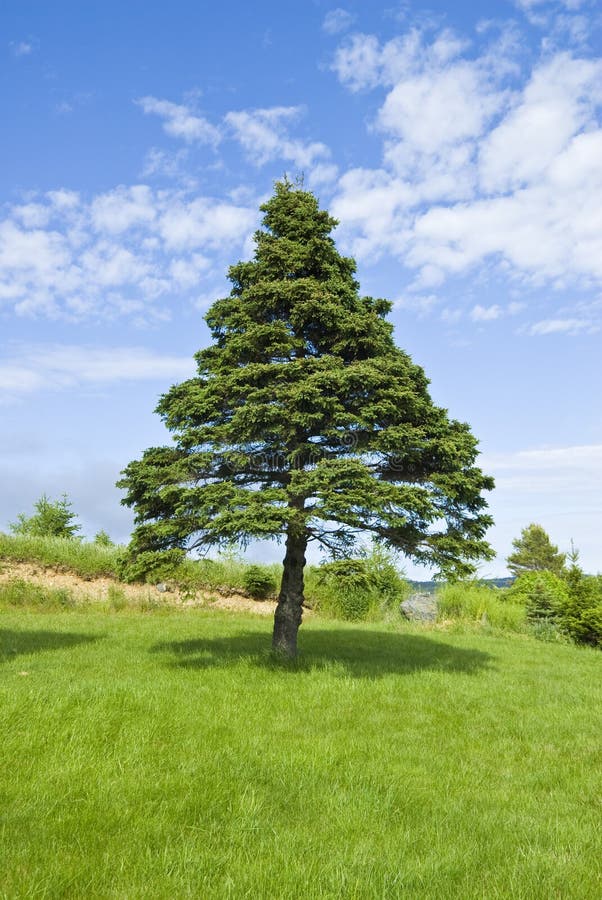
x,y
460,148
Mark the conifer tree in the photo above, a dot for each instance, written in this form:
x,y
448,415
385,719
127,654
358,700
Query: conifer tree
x,y
534,552
306,423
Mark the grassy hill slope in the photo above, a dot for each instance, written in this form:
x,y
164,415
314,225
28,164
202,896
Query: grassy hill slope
x,y
163,754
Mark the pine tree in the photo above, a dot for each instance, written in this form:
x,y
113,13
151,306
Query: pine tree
x,y
306,423
52,518
534,551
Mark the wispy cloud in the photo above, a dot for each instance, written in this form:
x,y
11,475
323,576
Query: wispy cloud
x,y
21,48
337,21
264,135
43,367
180,121
485,313
554,472
558,487
564,326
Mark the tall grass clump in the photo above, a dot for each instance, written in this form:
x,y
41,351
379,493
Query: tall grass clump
x,y
86,559
470,601
17,592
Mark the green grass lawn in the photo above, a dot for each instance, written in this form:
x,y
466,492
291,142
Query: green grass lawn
x,y
165,755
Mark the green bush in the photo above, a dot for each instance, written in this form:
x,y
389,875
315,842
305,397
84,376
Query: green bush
x,y
543,594
259,582
545,598
570,605
149,565
102,538
357,588
51,519
583,612
471,601
17,592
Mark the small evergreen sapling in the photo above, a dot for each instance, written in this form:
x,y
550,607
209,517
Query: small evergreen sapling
x,y
51,519
534,551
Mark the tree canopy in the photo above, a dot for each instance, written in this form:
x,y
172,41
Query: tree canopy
x,y
306,423
534,551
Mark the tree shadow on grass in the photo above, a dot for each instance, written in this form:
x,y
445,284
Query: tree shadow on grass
x,y
350,653
16,643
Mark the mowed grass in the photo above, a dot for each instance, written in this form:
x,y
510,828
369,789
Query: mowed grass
x,y
164,755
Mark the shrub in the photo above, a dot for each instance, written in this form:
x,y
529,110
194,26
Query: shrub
x,y
17,592
386,578
51,519
102,539
544,595
259,582
471,601
343,589
583,612
149,565
357,588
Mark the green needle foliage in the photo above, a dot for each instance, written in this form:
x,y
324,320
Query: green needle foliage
x,y
306,423
535,552
52,518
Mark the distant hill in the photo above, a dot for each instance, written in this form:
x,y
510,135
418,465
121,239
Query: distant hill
x,y
429,587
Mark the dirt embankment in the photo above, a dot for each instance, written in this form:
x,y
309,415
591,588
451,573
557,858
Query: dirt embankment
x,y
98,589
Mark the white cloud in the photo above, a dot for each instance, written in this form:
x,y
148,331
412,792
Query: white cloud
x,y
118,254
422,304
558,487
484,162
553,472
32,215
203,222
358,62
485,313
180,122
529,5
337,20
264,136
124,207
557,103
564,326
22,48
56,367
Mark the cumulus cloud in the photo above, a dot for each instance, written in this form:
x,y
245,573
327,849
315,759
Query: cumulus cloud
x,y
180,121
488,159
122,253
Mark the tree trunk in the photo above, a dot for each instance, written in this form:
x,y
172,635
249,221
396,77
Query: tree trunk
x,y
289,612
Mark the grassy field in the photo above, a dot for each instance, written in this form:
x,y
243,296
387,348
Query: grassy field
x,y
164,755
